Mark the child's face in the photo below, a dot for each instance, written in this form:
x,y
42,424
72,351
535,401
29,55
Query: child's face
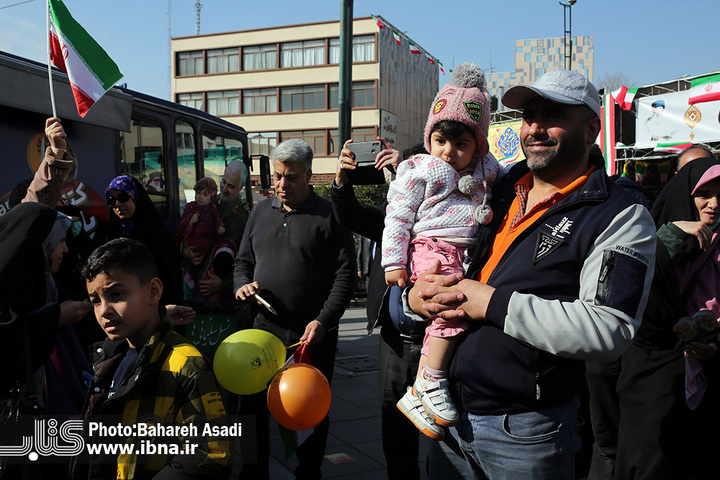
x,y
457,153
203,197
124,307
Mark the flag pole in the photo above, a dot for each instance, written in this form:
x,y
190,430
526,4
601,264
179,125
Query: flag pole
x,y
49,62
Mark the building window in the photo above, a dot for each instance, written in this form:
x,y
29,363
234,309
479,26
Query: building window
x,y
363,49
194,100
223,103
302,54
223,60
528,57
315,138
260,100
190,63
262,143
260,57
307,97
363,95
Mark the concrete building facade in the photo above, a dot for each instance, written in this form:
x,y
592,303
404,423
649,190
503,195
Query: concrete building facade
x,y
282,82
536,56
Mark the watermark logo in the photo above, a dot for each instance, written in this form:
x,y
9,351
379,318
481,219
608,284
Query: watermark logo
x,y
49,438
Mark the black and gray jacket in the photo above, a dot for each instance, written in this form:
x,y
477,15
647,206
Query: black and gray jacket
x,y
571,288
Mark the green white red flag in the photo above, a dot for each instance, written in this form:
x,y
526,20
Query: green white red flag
x,y
672,147
378,22
705,89
624,97
90,70
441,67
396,36
413,48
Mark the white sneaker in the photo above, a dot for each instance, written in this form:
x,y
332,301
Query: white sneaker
x,y
411,407
435,397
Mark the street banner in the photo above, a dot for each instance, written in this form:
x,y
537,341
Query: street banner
x,y
504,140
672,118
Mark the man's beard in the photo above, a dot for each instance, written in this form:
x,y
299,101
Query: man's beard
x,y
229,198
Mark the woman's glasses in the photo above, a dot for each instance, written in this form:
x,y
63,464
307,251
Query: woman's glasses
x,y
121,197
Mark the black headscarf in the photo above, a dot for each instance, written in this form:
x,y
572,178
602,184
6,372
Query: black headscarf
x,y
675,202
23,257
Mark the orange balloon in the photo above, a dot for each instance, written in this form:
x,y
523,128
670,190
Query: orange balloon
x,y
299,396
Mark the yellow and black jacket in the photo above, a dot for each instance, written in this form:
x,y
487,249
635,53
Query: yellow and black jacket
x,y
172,384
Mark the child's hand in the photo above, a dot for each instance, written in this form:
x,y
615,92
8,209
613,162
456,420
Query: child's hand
x,y
220,230
396,277
194,218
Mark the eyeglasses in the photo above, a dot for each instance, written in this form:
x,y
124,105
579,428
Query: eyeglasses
x,y
121,197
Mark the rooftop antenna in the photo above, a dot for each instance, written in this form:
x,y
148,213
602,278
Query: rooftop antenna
x,y
198,7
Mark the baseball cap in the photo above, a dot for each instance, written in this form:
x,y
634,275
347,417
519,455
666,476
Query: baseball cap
x,y
561,86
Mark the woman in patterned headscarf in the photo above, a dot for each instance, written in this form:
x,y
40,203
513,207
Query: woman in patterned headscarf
x,y
133,215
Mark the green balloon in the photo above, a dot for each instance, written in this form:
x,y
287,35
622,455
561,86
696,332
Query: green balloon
x,y
245,361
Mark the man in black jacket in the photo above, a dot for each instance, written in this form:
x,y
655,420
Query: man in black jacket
x,y
296,255
400,337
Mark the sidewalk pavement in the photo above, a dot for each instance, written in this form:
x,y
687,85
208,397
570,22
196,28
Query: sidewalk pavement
x,y
354,446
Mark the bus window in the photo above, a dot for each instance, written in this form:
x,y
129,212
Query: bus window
x,y
218,151
185,147
141,155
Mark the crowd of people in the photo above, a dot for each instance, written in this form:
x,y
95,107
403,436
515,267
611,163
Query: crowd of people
x,y
512,301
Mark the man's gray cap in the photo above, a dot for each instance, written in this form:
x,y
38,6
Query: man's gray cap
x,y
561,86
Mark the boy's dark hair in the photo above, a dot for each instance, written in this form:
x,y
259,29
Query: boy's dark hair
x,y
451,129
123,254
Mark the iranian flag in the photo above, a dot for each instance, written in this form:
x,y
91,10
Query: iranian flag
x,y
441,67
704,89
430,59
624,97
378,22
396,36
413,48
672,147
90,70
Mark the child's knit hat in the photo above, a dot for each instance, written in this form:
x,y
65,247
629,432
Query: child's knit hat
x,y
466,100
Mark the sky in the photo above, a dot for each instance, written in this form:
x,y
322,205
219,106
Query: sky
x,y
647,41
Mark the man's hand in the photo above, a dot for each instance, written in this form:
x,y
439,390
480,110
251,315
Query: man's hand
x,y
314,333
180,314
193,255
72,312
434,293
247,291
211,286
698,229
388,156
345,162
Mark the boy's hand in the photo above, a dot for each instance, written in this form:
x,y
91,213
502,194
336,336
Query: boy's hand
x,y
72,312
180,314
220,230
247,291
396,277
194,218
56,135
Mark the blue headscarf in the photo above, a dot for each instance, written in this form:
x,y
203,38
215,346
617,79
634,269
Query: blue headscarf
x,y
124,183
